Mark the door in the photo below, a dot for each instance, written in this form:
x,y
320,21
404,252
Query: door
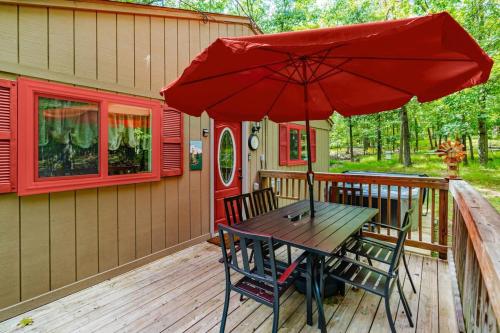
x,y
227,168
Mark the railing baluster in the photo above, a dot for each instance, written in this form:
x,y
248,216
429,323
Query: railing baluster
x,y
409,207
399,207
389,220
433,216
420,204
379,205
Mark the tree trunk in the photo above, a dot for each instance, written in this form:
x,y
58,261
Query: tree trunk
x,y
393,138
483,140
464,142
405,138
379,139
351,148
429,132
471,149
416,134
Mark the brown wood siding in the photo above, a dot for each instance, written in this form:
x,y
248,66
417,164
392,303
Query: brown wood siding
x,y
58,240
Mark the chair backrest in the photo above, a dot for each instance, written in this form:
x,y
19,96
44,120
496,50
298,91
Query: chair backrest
x,y
260,270
398,250
239,208
265,200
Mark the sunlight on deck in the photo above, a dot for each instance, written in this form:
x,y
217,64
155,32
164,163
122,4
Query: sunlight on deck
x,y
184,292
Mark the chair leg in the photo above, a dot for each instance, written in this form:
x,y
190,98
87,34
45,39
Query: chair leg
x,y
405,303
408,273
388,312
276,315
226,309
251,256
289,253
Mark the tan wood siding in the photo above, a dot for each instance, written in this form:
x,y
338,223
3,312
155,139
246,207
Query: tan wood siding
x,y
108,227
10,287
62,244
87,258
61,46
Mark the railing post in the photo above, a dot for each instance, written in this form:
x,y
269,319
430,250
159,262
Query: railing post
x,y
443,221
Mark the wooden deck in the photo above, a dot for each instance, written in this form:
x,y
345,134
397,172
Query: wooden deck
x,y
184,293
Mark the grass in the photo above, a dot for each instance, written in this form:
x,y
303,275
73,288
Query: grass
x,y
485,179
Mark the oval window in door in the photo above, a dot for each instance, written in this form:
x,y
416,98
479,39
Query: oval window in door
x,y
227,156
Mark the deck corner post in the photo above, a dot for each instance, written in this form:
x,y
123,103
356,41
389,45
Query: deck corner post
x,y
443,221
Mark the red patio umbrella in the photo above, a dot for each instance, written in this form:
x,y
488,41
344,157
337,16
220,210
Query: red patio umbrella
x,y
306,75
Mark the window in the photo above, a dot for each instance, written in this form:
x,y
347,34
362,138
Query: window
x,y
293,144
84,138
68,137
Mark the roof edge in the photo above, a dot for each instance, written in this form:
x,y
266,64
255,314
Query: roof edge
x,y
133,8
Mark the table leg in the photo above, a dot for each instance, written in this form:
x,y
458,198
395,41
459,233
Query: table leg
x,y
318,295
309,283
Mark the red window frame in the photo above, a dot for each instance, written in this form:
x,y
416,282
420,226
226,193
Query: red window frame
x,y
284,145
28,180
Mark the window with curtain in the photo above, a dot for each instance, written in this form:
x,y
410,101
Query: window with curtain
x,y
73,138
68,137
129,139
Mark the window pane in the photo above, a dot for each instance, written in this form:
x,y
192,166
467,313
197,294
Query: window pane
x,y
294,144
303,145
226,157
68,137
129,139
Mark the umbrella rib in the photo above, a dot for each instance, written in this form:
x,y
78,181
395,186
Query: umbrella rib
x,y
378,82
234,72
287,78
400,59
279,95
240,90
329,72
323,91
369,79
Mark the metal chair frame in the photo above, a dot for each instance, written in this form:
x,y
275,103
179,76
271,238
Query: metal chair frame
x,y
265,200
374,249
372,279
264,280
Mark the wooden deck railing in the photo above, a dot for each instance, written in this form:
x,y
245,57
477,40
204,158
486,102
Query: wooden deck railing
x,y
393,195
476,257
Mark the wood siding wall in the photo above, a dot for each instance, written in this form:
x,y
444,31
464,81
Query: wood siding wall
x,y
53,241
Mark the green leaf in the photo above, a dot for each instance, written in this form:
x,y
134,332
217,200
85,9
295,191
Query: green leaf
x,y
26,321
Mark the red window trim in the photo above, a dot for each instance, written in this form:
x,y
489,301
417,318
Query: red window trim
x,y
11,135
284,159
28,182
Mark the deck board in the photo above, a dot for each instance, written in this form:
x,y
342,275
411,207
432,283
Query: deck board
x,y
184,292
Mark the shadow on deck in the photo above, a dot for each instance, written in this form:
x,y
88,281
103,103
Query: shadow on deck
x,y
184,292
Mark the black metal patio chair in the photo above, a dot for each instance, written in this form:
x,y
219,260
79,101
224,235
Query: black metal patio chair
x,y
265,200
264,280
374,249
239,208
372,279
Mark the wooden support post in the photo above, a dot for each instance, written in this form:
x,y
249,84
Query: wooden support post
x,y
443,221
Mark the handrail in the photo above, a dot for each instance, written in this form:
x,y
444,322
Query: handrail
x,y
476,243
429,182
397,194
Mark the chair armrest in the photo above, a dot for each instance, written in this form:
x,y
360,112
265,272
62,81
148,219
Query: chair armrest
x,y
375,242
382,225
361,264
290,269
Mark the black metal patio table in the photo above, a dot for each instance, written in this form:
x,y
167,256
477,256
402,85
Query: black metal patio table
x,y
320,236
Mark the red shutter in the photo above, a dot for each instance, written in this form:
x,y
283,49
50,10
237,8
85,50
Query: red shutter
x,y
8,117
171,142
313,145
283,144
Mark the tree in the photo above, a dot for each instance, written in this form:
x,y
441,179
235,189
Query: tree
x,y
404,145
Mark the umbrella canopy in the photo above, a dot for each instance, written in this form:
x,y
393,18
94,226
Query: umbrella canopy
x,y
306,75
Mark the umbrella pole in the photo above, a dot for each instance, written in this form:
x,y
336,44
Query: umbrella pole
x,y
310,174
